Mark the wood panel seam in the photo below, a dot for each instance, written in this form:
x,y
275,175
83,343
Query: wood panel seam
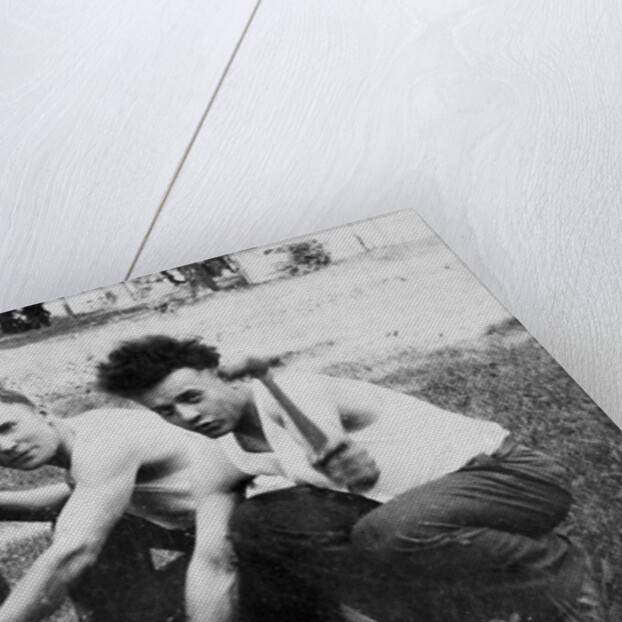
x,y
193,138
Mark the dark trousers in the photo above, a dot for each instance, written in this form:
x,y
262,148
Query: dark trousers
x,y
475,540
126,584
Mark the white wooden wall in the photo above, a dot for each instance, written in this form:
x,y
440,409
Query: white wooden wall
x,y
144,135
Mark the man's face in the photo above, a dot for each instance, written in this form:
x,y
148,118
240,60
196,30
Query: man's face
x,y
196,400
26,440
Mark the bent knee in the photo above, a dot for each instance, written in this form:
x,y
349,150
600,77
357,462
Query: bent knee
x,y
366,537
374,535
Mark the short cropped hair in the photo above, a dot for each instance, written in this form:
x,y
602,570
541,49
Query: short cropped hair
x,y
8,396
140,364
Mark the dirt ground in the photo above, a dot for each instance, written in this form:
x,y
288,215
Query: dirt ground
x,y
412,296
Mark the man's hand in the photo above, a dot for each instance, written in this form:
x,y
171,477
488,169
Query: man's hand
x,y
349,465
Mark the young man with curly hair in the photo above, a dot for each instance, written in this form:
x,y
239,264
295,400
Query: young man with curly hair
x,y
439,498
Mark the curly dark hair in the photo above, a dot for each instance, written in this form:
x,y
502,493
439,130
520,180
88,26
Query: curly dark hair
x,y
139,364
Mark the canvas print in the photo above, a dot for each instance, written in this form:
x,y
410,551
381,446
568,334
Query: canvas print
x,y
344,426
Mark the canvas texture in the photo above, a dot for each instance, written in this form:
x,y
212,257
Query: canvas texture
x,y
342,426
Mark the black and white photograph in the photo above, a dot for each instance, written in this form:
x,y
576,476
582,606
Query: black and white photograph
x,y
340,427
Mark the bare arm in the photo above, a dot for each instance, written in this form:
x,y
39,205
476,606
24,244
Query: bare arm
x,y
210,584
102,493
35,504
211,587
342,459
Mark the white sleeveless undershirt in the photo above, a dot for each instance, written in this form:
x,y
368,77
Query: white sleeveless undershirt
x,y
412,442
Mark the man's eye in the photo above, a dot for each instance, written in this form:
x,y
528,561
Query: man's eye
x,y
165,411
191,398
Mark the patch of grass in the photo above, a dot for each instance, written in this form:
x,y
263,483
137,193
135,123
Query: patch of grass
x,y
516,383
11,479
16,557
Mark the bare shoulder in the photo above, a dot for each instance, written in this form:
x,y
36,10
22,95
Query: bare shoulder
x,y
116,433
113,421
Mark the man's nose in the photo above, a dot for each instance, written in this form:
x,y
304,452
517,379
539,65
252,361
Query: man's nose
x,y
187,412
